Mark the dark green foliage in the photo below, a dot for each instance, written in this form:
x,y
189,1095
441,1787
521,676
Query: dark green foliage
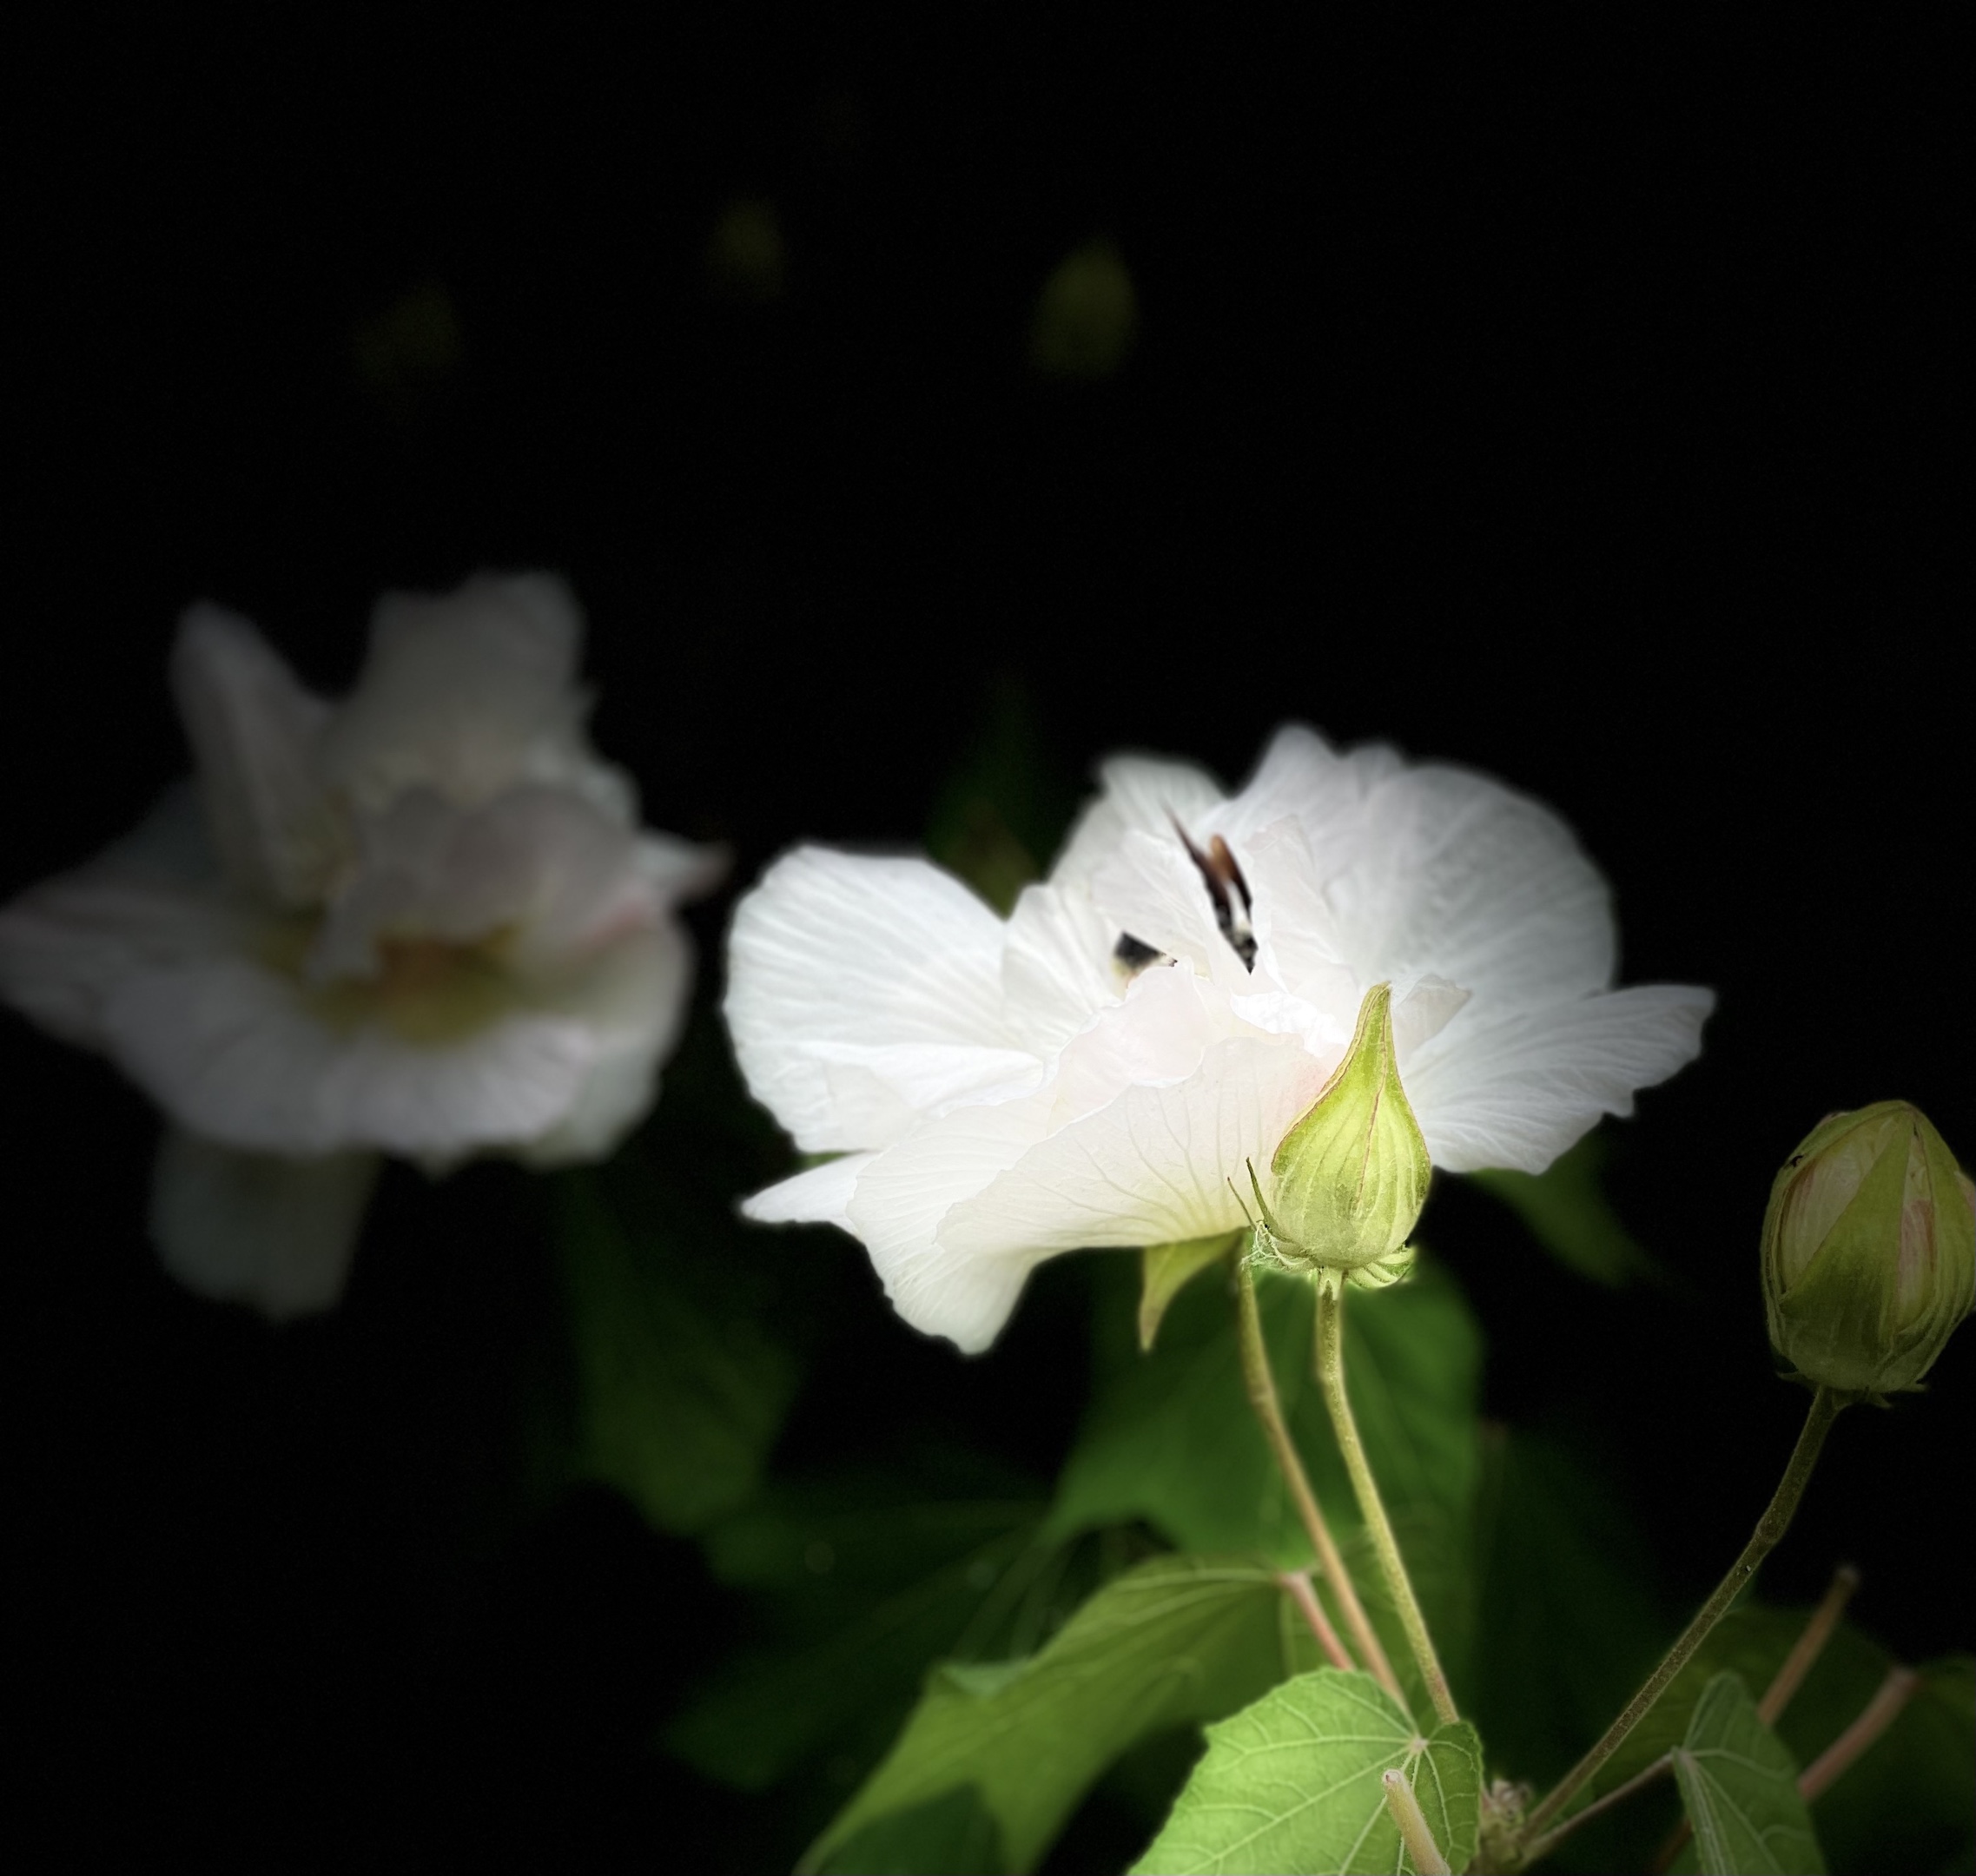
x,y
1566,1210
857,1580
678,1393
1176,1639
1739,1787
1170,1437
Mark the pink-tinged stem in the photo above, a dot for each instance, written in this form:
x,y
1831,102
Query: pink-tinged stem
x,y
1298,1582
1809,1645
1875,1717
1269,1411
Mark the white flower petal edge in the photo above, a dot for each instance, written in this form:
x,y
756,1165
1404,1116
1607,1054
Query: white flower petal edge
x,y
1102,1067
819,1195
1517,1093
421,922
891,971
272,1231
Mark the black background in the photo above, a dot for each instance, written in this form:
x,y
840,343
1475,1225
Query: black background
x,y
1568,402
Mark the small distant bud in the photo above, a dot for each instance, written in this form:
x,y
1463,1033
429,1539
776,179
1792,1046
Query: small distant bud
x,y
1350,1176
1087,314
1869,1250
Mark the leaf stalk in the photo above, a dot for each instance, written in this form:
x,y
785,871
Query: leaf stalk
x,y
1404,1807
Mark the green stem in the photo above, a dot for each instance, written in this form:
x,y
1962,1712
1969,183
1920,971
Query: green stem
x,y
1330,1374
1533,1853
1770,1529
1777,1696
1269,1410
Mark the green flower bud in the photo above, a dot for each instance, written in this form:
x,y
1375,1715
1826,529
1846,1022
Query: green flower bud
x,y
1350,1176
1869,1250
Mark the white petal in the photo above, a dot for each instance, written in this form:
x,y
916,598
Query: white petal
x,y
1281,1013
818,1195
901,1082
1151,889
1168,1021
1144,794
1422,1012
254,732
632,999
240,1227
152,899
1453,874
234,1051
589,883
1298,943
1152,1167
468,694
543,866
835,954
403,853
1056,967
905,1192
615,1095
1516,1092
1300,775
678,870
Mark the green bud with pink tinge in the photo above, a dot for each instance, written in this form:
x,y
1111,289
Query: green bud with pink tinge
x,y
1869,1250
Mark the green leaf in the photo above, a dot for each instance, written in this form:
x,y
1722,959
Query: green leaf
x,y
1740,1787
1908,1803
678,1398
1174,1640
1565,1209
954,1834
1567,1625
1171,1438
1165,1268
857,1582
1292,1784
1751,1641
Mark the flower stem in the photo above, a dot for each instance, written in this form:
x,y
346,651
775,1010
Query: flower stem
x,y
1784,1684
1330,1377
1269,1410
1770,1529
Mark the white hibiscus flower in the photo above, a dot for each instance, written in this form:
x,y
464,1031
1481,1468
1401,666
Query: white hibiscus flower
x,y
1153,1018
422,922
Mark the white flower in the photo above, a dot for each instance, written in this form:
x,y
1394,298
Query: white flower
x,y
423,921
1094,1070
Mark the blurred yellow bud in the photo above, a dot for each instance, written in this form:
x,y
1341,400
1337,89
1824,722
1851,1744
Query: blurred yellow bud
x,y
1086,315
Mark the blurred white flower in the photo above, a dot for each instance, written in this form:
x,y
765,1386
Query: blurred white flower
x,y
1094,1069
421,922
